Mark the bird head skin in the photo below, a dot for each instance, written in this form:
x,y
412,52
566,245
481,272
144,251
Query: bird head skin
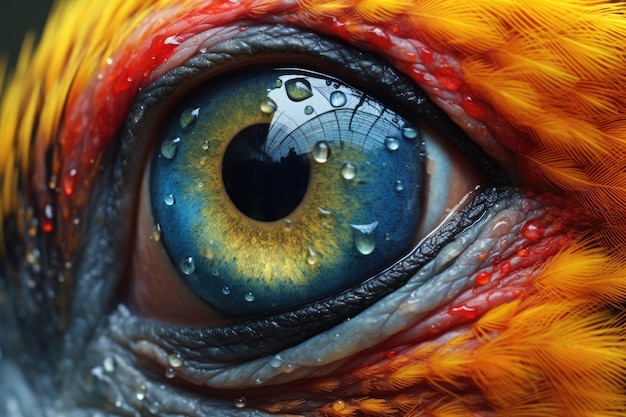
x,y
511,306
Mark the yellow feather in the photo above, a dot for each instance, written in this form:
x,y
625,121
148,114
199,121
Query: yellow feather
x,y
471,26
584,271
449,365
382,10
451,408
406,376
376,407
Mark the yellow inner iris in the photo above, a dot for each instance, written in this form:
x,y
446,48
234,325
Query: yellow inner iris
x,y
316,235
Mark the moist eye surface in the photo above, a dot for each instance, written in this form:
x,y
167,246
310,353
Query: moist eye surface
x,y
279,187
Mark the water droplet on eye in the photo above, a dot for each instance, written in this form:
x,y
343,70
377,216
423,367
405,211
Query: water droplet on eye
x,y
399,185
156,233
32,229
327,219
109,364
391,354
188,117
287,225
321,152
277,84
348,171
364,237
311,257
298,89
169,199
47,222
258,381
276,361
268,106
205,145
32,257
203,161
175,360
141,392
169,148
409,132
482,278
338,405
338,99
288,368
533,230
226,290
211,250
154,408
249,297
187,265
387,237
392,143
170,373
464,311
308,110
200,184
239,402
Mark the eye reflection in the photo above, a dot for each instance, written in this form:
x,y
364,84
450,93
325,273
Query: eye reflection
x,y
261,187
266,186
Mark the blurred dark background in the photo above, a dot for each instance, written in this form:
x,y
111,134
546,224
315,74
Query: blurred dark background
x,y
16,18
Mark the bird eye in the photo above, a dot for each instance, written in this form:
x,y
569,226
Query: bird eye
x,y
269,188
228,208
266,187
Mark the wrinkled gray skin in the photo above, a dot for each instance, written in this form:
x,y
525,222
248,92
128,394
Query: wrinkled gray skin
x,y
108,362
105,377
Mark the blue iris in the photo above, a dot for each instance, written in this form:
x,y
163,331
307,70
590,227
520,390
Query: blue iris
x,y
279,188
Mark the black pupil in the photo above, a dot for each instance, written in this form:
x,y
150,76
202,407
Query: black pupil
x,y
262,186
